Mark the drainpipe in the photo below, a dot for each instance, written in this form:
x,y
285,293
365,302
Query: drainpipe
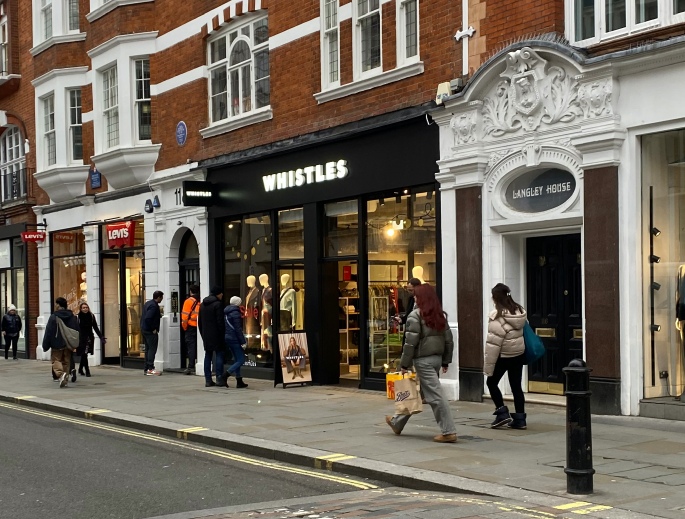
x,y
466,32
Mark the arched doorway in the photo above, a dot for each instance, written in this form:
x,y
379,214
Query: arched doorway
x,y
188,274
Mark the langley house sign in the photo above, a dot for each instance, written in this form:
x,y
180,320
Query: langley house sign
x,y
540,190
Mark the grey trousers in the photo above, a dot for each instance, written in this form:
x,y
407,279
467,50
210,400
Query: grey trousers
x,y
427,370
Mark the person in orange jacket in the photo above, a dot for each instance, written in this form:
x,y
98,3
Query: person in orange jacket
x,y
191,309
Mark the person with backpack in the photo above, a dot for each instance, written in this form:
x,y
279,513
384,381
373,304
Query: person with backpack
x,y
189,315
54,340
235,340
11,326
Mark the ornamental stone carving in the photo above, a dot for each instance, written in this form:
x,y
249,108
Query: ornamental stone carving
x,y
595,98
530,95
464,128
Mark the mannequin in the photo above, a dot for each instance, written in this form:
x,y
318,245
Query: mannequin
x,y
84,287
288,304
267,301
417,272
251,320
679,320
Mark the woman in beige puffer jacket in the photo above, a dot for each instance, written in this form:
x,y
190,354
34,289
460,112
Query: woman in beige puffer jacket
x,y
504,353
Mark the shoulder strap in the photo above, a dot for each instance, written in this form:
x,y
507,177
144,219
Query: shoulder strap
x,y
228,322
194,305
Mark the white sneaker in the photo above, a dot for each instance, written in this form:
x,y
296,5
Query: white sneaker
x,y
64,380
154,372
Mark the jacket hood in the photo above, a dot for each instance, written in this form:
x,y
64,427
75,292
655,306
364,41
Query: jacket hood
x,y
64,314
231,309
516,321
209,300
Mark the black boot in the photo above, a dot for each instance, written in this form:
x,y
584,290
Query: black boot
x,y
519,421
87,371
73,375
80,371
211,383
240,384
502,417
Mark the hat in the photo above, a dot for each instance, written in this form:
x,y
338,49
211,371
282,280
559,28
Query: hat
x,y
216,290
235,300
11,307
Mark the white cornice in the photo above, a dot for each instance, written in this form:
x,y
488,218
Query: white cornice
x,y
263,114
121,39
110,6
60,38
57,72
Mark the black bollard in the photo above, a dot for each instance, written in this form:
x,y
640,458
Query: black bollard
x,y
578,469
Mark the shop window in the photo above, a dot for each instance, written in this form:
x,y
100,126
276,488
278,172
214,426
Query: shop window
x,y
290,234
663,259
247,269
12,284
342,228
69,267
401,235
291,270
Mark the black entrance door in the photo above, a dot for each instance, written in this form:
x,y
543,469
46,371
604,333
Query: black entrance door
x,y
554,305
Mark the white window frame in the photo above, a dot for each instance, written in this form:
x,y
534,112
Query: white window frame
x,y
140,102
327,32
4,41
74,123
12,160
110,107
357,57
232,36
46,20
401,17
666,16
49,135
68,5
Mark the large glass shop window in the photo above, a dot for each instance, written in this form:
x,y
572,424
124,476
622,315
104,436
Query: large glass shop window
x,y
248,262
401,241
12,286
291,270
69,267
663,258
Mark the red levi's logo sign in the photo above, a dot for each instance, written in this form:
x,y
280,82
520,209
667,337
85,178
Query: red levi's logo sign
x,y
35,236
120,234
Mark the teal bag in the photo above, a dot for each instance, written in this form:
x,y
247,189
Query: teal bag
x,y
535,349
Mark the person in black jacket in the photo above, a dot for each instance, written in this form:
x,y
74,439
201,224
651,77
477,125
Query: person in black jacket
x,y
52,339
86,323
11,326
210,324
149,326
235,340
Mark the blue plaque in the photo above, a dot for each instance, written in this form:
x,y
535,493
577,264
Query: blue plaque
x,y
181,133
95,178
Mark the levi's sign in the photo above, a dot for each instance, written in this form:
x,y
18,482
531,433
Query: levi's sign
x,y
307,175
35,236
120,234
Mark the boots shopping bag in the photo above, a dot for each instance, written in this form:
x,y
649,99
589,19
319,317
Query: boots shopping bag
x,y
407,397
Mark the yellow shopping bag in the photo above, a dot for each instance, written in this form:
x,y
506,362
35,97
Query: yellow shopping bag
x,y
390,379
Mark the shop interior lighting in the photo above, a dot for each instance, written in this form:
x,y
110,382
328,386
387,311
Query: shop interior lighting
x,y
429,195
397,219
390,232
398,199
381,201
406,191
66,263
654,259
655,285
655,231
230,226
655,327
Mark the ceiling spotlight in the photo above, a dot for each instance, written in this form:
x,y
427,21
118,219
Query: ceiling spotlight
x,y
230,226
66,263
260,219
398,199
397,220
406,191
654,259
381,201
429,195
655,231
655,327
390,232
655,285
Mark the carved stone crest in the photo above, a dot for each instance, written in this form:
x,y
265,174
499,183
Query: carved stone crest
x,y
595,98
530,95
464,128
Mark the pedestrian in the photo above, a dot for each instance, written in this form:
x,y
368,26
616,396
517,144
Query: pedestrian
x,y
87,324
11,326
210,324
505,352
429,345
191,309
60,356
235,340
149,325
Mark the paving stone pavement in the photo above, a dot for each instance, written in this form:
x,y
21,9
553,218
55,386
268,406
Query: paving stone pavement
x,y
640,462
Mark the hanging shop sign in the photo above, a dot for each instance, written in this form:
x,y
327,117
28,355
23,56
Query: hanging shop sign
x,y
33,236
197,193
95,177
307,175
540,190
121,234
5,256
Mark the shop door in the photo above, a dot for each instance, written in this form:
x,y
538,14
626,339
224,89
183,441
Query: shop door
x,y
554,305
188,274
111,309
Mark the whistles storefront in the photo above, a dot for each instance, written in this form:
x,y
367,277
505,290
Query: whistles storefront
x,y
320,242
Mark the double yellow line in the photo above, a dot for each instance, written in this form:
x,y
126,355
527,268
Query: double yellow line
x,y
183,433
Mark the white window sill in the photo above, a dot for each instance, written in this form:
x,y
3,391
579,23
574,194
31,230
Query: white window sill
x,y
110,6
258,116
373,82
8,77
60,38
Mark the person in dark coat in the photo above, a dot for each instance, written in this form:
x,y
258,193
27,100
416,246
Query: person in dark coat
x,y
235,340
210,324
149,325
52,339
11,326
87,324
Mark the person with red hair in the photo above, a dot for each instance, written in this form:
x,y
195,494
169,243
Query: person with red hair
x,y
428,345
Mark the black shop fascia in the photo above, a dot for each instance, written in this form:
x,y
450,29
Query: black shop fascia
x,y
323,220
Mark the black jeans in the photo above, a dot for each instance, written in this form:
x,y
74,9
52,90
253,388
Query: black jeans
x,y
191,345
151,341
513,366
13,341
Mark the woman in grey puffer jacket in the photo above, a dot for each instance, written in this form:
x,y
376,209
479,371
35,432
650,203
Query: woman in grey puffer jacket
x,y
504,353
428,345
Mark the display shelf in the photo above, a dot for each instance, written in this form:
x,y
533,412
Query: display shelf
x,y
349,323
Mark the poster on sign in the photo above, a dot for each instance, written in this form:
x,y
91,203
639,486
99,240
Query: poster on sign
x,y
294,358
120,235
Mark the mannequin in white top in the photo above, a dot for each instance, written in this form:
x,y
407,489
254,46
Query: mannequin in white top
x,y
288,304
84,287
251,320
267,302
417,272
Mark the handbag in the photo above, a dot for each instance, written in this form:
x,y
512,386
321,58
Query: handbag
x,y
70,336
407,397
535,348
